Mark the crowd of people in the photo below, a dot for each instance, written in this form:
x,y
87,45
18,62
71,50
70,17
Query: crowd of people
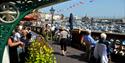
x,y
96,51
100,51
18,44
21,38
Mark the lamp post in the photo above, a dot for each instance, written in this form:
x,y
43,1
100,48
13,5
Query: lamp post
x,y
52,10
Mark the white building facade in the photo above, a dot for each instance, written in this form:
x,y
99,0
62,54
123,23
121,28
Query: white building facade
x,y
48,17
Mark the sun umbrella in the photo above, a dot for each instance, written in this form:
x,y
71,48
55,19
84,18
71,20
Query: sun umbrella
x,y
71,21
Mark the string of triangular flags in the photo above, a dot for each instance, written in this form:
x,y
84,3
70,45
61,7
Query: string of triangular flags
x,y
73,6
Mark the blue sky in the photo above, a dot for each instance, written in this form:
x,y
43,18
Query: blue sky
x,y
97,8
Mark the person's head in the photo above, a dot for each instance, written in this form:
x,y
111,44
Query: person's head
x,y
62,28
24,32
24,28
28,29
88,32
103,36
16,30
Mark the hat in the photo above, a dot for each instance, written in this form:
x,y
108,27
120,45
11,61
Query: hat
x,y
117,41
62,27
88,31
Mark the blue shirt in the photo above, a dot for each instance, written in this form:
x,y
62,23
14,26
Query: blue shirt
x,y
88,38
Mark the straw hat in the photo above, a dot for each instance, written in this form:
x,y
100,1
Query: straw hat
x,y
62,27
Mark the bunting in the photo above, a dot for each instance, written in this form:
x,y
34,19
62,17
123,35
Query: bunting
x,y
73,6
91,1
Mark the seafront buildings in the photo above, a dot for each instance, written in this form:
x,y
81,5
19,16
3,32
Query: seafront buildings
x,y
110,25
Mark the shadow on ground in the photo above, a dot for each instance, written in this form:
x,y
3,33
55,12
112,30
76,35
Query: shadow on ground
x,y
118,58
81,57
57,53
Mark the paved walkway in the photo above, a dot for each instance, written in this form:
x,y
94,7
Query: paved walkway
x,y
73,55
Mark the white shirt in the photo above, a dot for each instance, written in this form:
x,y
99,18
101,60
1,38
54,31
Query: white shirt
x,y
63,34
17,36
53,28
101,51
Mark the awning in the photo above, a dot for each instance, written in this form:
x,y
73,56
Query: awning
x,y
29,17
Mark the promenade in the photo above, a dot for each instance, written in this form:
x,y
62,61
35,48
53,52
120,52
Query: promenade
x,y
72,56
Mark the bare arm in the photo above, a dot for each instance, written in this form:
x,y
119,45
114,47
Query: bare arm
x,y
11,44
